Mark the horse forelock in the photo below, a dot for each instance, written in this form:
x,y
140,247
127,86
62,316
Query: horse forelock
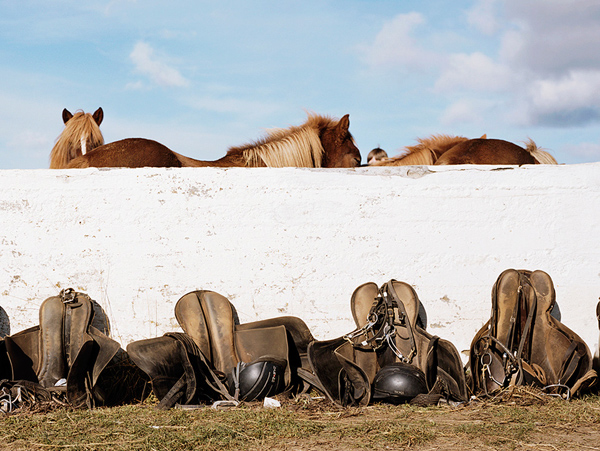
x,y
296,146
81,128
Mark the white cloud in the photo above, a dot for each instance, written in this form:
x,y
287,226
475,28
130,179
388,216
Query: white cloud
x,y
395,47
159,72
483,16
547,67
464,111
569,100
233,105
587,151
552,36
475,72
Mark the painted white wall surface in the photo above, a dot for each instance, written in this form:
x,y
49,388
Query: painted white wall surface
x,y
297,241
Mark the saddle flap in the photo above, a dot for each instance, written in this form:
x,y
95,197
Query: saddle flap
x,y
190,317
52,364
405,295
269,343
331,362
560,352
505,309
166,362
210,323
78,317
296,327
362,301
23,355
410,340
252,344
444,364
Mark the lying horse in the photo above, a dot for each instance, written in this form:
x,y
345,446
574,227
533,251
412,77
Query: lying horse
x,y
320,142
81,134
444,150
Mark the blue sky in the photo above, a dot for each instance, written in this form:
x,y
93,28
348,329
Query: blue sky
x,y
201,76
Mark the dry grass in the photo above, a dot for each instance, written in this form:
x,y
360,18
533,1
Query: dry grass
x,y
521,419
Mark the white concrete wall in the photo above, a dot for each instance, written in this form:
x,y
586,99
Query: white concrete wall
x,y
297,241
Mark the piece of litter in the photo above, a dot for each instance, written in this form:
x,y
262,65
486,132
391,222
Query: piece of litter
x,y
61,382
190,406
224,404
271,403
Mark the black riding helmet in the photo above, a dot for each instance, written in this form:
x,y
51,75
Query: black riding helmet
x,y
259,379
398,383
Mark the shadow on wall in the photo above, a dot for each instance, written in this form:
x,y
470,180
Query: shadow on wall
x,y
4,323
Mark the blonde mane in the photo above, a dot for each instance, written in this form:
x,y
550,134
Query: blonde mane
x,y
81,127
297,146
538,153
426,152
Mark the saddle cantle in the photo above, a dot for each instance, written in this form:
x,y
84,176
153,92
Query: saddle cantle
x,y
523,344
390,331
64,353
216,359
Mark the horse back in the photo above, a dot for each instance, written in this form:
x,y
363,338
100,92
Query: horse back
x,y
128,153
486,151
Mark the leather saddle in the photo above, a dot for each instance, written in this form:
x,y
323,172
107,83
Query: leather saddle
x,y
203,364
523,344
64,353
390,330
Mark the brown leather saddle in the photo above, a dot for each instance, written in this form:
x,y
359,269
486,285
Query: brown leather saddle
x,y
206,363
523,344
64,353
389,332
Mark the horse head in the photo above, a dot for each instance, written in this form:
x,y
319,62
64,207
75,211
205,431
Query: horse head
x,y
340,150
81,134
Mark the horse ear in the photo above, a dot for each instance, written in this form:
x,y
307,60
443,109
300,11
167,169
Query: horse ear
x,y
344,123
98,116
483,136
66,115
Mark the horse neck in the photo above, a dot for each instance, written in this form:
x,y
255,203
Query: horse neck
x,y
225,162
295,147
421,157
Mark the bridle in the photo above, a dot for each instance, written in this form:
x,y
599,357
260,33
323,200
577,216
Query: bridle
x,y
386,315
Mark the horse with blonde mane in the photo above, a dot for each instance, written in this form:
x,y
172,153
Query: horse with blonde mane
x,y
451,150
320,142
81,134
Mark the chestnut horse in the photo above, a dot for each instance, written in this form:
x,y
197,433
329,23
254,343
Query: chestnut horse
x,y
444,150
81,134
320,142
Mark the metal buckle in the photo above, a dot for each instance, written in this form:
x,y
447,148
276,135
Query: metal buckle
x,y
67,295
